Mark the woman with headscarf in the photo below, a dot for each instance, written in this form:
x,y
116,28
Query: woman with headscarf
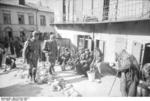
x,y
129,73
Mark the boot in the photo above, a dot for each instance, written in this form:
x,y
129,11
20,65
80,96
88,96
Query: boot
x,y
34,74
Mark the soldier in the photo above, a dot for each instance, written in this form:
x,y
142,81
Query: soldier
x,y
50,48
31,53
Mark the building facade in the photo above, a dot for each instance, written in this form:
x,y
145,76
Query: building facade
x,y
112,25
21,19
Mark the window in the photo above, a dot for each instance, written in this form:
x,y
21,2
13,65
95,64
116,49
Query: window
x,y
31,20
42,20
21,18
7,18
106,9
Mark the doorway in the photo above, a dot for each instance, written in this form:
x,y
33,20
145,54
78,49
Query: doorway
x,y
106,9
146,58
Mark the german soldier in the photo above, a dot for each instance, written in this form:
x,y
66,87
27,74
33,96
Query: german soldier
x,y
31,53
50,48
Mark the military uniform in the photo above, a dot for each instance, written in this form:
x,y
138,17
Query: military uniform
x,y
50,47
32,52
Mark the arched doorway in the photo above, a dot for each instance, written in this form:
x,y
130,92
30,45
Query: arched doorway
x,y
8,33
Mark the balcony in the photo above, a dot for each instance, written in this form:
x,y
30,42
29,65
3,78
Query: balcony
x,y
117,11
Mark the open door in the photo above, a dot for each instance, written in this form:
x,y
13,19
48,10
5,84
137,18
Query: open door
x,y
96,43
146,56
137,51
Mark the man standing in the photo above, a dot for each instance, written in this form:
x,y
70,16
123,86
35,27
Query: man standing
x,y
31,53
50,48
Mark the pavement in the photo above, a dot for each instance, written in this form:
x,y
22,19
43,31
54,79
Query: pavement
x,y
10,85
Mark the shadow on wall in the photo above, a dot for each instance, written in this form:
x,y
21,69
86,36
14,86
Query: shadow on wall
x,y
20,90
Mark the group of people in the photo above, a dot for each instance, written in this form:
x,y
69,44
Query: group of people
x,y
131,75
134,79
32,53
10,48
83,61
63,57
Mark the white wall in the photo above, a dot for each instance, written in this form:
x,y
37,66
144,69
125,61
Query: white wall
x,y
126,32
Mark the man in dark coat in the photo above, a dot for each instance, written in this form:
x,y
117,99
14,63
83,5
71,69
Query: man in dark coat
x,y
50,48
31,53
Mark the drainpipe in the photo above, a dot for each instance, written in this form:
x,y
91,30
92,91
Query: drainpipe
x,y
116,11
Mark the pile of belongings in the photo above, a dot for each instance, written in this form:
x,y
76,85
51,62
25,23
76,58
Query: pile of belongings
x,y
66,89
69,91
23,74
58,84
43,75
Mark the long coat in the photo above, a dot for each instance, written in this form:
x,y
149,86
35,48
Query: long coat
x,y
50,47
32,51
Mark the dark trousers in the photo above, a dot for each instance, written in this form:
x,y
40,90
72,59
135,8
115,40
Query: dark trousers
x,y
51,68
52,64
1,58
33,69
32,73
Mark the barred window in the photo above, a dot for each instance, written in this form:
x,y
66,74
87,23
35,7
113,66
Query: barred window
x,y
7,17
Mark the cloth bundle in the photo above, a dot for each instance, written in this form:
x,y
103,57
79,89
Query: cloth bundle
x,y
42,75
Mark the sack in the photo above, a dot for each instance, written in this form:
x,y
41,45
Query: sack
x,y
42,75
